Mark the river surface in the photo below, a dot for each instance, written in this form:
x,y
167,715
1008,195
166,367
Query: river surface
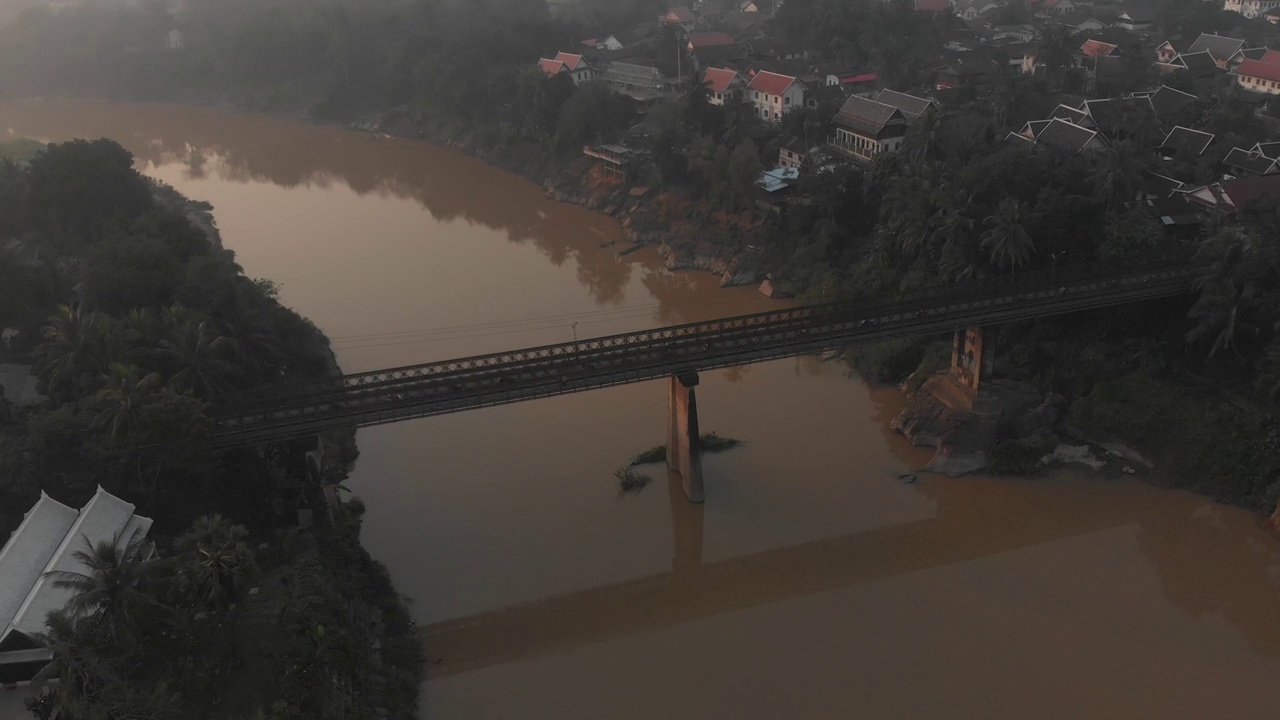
x,y
811,584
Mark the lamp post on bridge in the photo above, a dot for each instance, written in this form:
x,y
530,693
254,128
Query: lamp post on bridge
x,y
575,331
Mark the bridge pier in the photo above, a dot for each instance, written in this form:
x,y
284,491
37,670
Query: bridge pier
x,y
973,356
683,452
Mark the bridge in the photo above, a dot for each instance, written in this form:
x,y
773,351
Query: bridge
x,y
680,352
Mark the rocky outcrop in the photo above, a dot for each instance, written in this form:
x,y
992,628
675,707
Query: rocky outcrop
x,y
770,289
963,428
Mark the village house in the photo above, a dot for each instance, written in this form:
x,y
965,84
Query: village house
x,y
640,82
855,82
1134,21
773,95
723,85
1272,16
46,543
1168,103
1167,51
713,48
1063,135
793,152
1225,50
1183,143
866,128
1259,76
576,66
1250,8
974,9
610,43
1228,196
681,17
1243,163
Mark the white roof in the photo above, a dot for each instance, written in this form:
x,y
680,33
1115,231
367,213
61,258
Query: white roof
x,y
28,551
105,518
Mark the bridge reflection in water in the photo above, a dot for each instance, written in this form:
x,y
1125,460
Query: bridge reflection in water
x,y
958,532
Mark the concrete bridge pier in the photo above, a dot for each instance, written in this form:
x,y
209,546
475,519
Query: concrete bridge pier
x,y
683,452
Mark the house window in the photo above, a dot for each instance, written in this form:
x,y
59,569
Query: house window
x,y
786,101
755,94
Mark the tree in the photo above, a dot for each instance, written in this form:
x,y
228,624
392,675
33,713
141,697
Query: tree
x,y
195,356
77,188
215,561
125,390
1115,178
1223,312
1006,239
112,593
74,353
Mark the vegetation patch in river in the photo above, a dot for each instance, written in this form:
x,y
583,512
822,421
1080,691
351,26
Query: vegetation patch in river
x,y
630,481
709,442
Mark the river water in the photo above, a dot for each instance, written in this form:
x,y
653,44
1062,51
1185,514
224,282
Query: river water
x,y
811,584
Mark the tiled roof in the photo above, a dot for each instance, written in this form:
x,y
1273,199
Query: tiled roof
x,y
570,61
698,40
551,67
1070,114
1259,69
1271,56
1198,61
1187,142
1270,149
1249,162
28,551
1033,128
867,116
911,106
1222,48
771,83
1097,49
1116,117
1020,139
1166,101
105,518
717,80
1065,136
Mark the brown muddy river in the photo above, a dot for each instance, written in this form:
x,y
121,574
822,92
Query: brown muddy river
x,y
811,584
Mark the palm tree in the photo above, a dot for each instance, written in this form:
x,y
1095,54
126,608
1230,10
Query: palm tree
x,y
216,560
1116,176
1006,240
111,593
124,391
196,354
74,351
1055,52
81,664
1228,292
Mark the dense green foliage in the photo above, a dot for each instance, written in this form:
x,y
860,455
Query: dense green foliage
x,y
136,320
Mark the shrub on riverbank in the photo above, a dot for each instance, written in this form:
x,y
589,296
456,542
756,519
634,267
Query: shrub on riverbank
x,y
1225,447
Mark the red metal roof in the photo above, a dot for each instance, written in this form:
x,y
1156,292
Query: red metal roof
x,y
1271,56
859,78
678,15
1259,69
771,83
570,61
697,40
1097,48
551,67
717,79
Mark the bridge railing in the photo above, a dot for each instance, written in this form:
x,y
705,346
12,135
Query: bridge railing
x,y
1067,278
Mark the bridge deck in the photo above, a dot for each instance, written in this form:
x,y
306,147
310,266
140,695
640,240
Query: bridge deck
x,y
437,388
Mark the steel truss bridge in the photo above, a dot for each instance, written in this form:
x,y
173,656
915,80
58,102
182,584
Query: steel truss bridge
x,y
437,388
